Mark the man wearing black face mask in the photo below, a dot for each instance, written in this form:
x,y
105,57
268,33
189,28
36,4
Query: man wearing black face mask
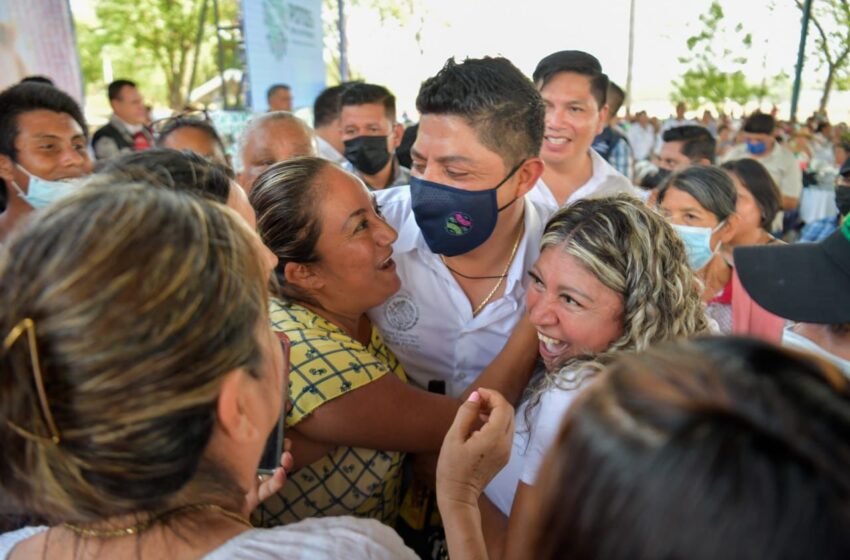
x,y
371,134
823,228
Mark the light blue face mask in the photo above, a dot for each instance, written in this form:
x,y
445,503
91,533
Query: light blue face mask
x,y
42,192
791,339
697,242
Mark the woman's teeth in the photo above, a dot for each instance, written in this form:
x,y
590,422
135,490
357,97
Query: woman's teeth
x,y
552,344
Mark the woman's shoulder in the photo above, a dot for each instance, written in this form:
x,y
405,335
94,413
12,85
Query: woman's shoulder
x,y
10,540
317,538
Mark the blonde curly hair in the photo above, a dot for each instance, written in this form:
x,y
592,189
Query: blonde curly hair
x,y
632,250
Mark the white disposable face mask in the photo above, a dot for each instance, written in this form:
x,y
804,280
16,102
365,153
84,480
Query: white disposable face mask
x,y
791,339
42,192
697,242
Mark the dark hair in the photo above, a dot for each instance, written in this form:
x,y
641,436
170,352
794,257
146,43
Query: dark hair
x,y
38,80
760,123
326,105
285,198
761,185
274,88
204,126
114,89
32,96
133,395
360,94
577,62
616,96
497,101
713,448
177,170
407,141
697,141
711,187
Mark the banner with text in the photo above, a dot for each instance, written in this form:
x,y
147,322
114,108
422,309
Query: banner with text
x,y
283,45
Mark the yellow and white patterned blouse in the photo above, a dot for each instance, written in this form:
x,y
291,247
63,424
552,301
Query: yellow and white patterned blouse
x,y
326,363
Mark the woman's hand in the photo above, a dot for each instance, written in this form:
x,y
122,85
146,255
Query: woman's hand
x,y
471,457
267,485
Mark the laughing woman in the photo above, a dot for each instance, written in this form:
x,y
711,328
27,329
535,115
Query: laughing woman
x,y
612,277
353,415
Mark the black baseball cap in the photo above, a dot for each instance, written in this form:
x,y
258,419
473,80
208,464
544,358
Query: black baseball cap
x,y
806,282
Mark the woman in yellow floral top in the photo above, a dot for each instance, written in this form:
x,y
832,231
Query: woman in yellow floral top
x,y
353,415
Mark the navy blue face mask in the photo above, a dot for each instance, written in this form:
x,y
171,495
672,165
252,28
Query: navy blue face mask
x,y
455,221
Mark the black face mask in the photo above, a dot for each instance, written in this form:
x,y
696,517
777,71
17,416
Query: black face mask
x,y
369,154
842,199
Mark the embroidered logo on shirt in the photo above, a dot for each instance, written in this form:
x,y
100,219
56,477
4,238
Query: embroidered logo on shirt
x,y
458,223
401,312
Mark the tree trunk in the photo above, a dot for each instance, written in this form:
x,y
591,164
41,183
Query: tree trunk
x,y
827,88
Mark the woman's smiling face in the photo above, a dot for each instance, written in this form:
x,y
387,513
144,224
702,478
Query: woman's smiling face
x,y
573,311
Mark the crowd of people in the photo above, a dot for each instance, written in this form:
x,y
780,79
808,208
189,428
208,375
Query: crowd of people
x,y
522,327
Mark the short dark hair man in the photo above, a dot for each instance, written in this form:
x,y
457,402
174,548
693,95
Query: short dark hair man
x,y
574,91
760,144
326,123
686,145
466,230
43,142
125,131
370,135
279,97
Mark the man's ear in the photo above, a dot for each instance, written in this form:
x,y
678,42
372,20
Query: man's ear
x,y
7,169
302,276
603,119
528,174
398,133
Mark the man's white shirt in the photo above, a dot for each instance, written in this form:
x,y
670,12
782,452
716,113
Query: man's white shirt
x,y
328,152
429,322
605,181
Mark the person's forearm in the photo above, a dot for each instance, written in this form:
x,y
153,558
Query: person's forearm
x,y
511,370
464,537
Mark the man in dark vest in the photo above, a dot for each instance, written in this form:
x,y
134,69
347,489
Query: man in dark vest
x,y
125,131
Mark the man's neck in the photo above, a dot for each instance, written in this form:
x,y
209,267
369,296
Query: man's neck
x,y
565,178
382,178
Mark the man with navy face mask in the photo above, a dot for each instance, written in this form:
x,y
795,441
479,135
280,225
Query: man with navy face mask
x,y
43,145
466,233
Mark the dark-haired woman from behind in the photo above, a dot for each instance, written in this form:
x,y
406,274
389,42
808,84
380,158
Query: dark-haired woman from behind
x,y
715,448
140,383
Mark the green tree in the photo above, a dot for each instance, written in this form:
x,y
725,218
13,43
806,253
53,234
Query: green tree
x,y
831,19
714,75
154,43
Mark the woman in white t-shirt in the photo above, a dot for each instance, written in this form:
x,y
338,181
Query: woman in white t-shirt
x,y
612,277
141,381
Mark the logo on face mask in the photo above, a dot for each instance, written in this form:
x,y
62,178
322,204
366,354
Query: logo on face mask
x,y
458,223
455,221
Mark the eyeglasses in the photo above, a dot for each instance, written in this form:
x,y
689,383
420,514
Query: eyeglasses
x,y
199,115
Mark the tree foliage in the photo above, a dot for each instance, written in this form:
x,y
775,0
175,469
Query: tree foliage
x,y
153,42
713,74
831,35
